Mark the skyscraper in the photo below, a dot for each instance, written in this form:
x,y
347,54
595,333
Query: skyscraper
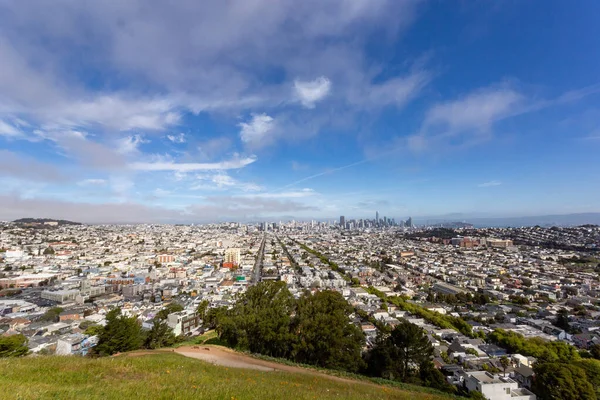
x,y
342,222
376,217
409,223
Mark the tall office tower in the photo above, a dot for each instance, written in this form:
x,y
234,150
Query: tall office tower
x,y
343,222
376,217
409,223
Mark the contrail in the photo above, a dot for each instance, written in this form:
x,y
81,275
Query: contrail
x,y
325,173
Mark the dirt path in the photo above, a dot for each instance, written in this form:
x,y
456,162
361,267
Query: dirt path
x,y
228,358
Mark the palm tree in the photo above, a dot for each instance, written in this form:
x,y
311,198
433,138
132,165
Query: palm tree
x,y
505,362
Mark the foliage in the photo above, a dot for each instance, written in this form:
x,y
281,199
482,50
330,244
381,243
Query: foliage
x,y
434,317
405,355
203,309
260,320
314,329
161,335
561,381
505,362
399,354
595,351
169,309
323,333
49,251
86,324
94,330
120,334
537,347
592,371
51,315
13,346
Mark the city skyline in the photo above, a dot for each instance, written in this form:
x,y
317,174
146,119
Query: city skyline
x,y
164,113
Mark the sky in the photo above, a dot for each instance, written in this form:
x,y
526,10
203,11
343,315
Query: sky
x,y
247,110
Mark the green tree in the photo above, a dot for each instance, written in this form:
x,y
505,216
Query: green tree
x,y
93,330
214,315
399,355
120,334
49,251
592,370
562,320
169,309
202,309
51,315
260,320
13,346
561,381
595,351
505,362
161,335
324,334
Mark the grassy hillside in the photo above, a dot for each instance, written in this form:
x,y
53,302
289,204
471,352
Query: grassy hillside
x,y
172,376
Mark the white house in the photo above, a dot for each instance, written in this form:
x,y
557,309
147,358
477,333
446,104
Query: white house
x,y
494,387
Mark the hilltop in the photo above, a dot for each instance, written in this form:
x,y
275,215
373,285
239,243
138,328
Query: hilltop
x,y
168,375
44,222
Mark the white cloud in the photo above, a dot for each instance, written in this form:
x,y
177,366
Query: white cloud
x,y
467,120
396,91
179,138
8,130
235,163
222,181
489,184
306,192
310,92
476,110
130,144
257,128
92,182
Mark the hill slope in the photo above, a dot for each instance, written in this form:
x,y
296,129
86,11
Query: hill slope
x,y
164,375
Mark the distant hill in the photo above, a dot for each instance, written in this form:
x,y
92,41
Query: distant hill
x,y
167,375
541,220
44,221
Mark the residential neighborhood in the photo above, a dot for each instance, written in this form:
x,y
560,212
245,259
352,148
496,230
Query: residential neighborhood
x,y
488,282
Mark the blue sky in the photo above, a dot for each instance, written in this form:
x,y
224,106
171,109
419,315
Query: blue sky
x,y
143,111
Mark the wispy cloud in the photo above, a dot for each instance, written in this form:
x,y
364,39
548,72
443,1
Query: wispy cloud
x,y
8,130
92,182
235,163
130,144
179,138
489,184
222,181
476,110
306,192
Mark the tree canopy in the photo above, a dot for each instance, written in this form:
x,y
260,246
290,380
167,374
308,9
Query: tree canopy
x,y
260,320
161,335
121,333
169,309
323,332
399,354
315,329
539,348
13,346
562,381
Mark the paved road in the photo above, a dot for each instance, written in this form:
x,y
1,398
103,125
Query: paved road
x,y
259,261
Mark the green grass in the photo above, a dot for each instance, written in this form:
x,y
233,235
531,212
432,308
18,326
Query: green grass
x,y
172,376
209,337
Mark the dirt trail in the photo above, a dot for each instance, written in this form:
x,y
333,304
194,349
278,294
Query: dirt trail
x,y
228,358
